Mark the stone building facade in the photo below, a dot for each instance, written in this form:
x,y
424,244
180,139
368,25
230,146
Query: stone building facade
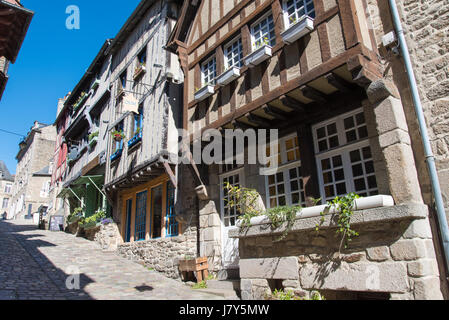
x,y
33,176
341,104
6,182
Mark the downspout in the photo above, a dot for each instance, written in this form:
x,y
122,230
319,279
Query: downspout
x,y
430,158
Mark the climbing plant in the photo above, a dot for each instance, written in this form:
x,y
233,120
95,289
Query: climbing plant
x,y
343,210
246,202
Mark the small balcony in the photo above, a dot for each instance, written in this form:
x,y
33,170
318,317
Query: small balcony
x,y
258,55
228,76
204,92
297,30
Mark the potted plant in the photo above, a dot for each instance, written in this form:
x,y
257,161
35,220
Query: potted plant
x,y
297,29
204,92
93,138
118,135
261,52
229,75
140,70
80,100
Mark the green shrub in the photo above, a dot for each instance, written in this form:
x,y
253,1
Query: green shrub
x,y
93,220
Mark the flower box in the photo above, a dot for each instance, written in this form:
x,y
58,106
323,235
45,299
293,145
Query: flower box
x,y
139,71
80,101
297,30
135,140
93,142
258,55
204,92
228,76
95,84
117,154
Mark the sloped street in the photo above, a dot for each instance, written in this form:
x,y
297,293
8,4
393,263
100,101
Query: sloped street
x,y
37,264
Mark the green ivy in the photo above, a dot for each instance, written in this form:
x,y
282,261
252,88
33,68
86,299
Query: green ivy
x,y
246,201
344,210
94,219
279,215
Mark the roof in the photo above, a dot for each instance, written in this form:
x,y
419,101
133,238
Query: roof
x,y
17,19
75,92
4,172
181,30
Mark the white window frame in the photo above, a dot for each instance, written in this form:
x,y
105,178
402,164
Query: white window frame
x,y
342,150
230,44
240,173
203,69
3,203
298,4
8,188
285,169
259,21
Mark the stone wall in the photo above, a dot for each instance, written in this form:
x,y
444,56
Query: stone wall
x,y
162,255
426,29
394,254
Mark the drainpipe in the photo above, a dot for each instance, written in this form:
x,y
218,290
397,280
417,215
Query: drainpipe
x,y
430,158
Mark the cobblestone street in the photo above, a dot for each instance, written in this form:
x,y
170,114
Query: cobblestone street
x,y
35,264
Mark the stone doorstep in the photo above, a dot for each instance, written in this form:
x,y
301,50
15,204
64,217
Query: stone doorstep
x,y
408,211
224,284
225,293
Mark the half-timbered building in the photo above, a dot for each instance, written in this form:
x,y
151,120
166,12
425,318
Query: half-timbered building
x,y
311,69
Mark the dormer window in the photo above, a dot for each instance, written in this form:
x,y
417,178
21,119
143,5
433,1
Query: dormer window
x,y
297,10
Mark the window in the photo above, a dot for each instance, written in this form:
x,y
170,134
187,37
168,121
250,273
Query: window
x,y
5,203
230,213
156,212
297,10
138,122
45,189
263,32
8,187
171,225
118,144
209,72
123,77
233,54
142,57
344,159
141,216
285,185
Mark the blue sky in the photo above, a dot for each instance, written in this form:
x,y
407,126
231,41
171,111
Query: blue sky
x,y
51,62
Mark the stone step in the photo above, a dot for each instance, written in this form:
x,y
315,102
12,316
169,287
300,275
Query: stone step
x,y
224,284
227,294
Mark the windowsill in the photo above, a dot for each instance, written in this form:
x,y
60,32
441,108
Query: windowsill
x,y
258,55
135,141
297,30
204,92
228,76
374,213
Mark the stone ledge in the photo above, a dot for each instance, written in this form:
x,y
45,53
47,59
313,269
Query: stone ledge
x,y
409,211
